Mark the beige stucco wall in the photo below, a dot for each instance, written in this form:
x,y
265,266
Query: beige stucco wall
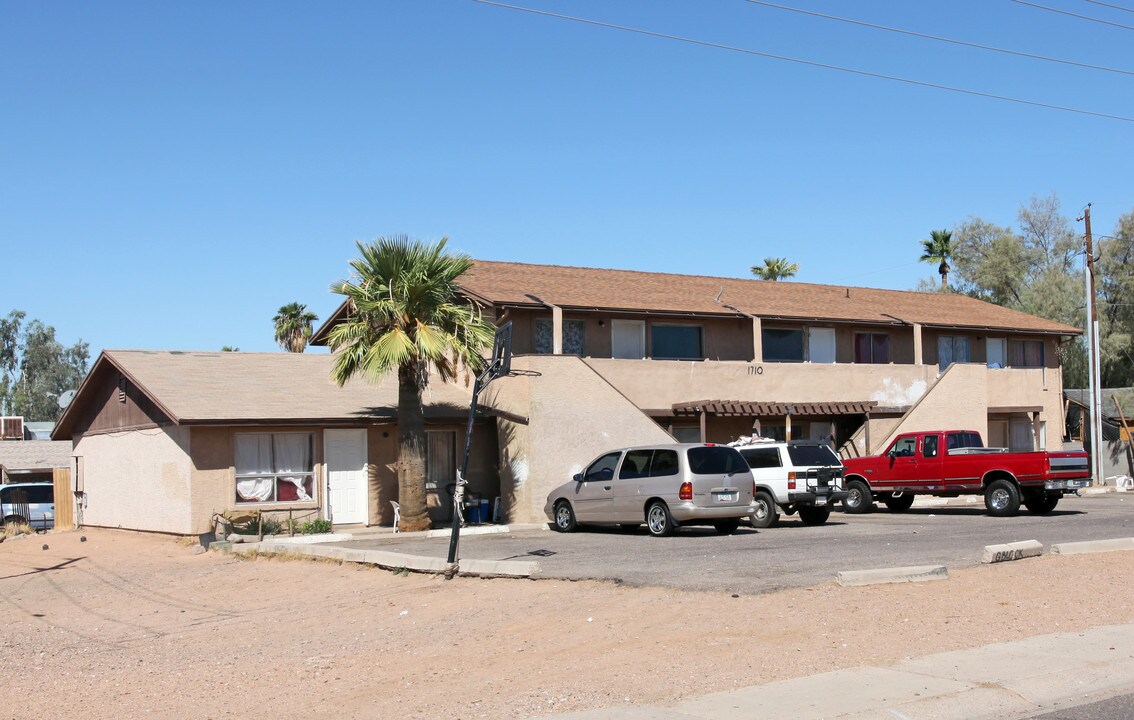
x,y
573,416
658,384
138,479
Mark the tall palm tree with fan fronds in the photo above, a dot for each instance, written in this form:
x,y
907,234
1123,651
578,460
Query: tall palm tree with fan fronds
x,y
939,249
405,314
775,269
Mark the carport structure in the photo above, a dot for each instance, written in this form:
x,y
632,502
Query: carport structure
x,y
843,418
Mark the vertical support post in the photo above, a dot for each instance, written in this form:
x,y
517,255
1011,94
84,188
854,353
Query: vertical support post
x,y
918,352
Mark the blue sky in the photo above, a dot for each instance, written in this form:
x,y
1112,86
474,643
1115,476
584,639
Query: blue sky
x,y
172,173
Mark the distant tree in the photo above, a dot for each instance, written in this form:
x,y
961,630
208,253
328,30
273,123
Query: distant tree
x,y
939,249
405,315
35,369
229,348
293,327
775,269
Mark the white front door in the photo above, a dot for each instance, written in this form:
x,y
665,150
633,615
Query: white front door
x,y
345,455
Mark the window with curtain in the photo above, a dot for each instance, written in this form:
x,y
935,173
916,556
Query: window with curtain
x,y
1025,353
871,348
951,349
275,467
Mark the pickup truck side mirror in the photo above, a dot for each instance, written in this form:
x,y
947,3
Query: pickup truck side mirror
x,y
892,453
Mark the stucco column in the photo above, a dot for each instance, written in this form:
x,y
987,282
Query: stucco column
x,y
917,354
757,341
556,330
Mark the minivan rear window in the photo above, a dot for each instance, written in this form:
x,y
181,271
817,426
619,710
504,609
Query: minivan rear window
x,y
808,455
716,460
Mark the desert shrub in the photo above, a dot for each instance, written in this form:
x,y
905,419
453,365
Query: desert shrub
x,y
315,527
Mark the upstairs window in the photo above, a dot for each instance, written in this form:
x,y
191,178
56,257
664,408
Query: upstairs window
x,y
1025,353
574,333
871,348
782,345
676,342
952,349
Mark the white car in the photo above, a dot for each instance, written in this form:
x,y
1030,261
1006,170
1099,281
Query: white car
x,y
803,476
663,486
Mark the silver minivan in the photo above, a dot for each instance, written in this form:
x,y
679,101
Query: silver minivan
x,y
663,486
28,504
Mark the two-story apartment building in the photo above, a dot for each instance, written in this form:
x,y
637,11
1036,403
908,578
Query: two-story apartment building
x,y
604,358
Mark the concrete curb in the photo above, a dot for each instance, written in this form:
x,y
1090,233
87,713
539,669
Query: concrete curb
x,y
397,561
1012,551
1091,546
850,578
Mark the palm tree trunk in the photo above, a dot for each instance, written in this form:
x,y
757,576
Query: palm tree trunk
x,y
411,453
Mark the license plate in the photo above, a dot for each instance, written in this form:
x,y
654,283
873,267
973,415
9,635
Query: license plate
x,y
725,497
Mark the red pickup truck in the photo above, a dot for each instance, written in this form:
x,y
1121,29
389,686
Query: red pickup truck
x,y
955,462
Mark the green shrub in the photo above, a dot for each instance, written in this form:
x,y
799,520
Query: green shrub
x,y
315,527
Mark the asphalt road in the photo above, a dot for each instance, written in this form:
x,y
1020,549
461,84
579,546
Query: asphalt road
x,y
791,555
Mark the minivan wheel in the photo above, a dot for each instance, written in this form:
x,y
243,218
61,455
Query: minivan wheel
x,y
658,519
564,517
764,513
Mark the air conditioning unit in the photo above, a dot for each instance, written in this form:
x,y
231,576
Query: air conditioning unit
x,y
11,428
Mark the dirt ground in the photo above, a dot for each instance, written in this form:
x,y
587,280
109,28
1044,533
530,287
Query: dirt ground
x,y
132,625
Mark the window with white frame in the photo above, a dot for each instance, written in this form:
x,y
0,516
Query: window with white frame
x,y
275,467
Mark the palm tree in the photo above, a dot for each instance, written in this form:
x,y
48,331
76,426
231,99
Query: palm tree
x,y
293,326
405,314
775,269
938,249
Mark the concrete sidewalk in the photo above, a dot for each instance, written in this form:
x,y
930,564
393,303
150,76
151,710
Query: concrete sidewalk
x,y
996,682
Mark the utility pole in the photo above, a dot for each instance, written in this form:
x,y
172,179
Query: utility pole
x,y
1093,363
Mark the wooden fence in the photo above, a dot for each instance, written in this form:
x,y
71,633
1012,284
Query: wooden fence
x,y
64,499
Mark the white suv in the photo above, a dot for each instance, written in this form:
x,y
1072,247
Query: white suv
x,y
801,475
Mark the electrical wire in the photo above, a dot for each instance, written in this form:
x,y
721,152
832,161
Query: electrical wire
x,y
809,63
1075,15
1109,5
938,38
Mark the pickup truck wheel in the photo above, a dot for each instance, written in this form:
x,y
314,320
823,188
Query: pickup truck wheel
x,y
1041,502
859,498
814,515
764,515
658,520
564,517
899,503
727,527
1002,498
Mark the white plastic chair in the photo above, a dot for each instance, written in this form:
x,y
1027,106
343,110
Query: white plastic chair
x,y
397,514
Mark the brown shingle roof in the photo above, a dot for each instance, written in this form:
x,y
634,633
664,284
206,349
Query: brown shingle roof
x,y
507,283
209,387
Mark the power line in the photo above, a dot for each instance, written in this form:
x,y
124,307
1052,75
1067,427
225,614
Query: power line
x,y
810,63
1109,5
938,38
1076,15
